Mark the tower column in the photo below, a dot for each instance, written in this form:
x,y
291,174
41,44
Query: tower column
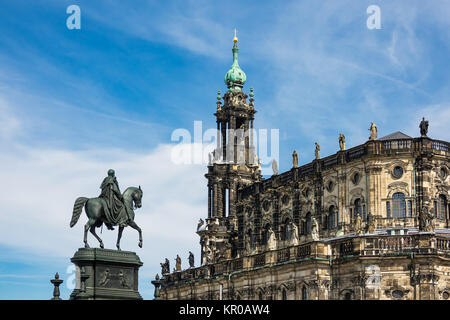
x,y
232,138
247,142
252,153
209,200
224,141
232,201
215,202
218,136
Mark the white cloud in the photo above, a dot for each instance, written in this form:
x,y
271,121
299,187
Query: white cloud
x,y
41,185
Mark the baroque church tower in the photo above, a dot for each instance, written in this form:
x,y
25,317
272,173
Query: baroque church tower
x,y
233,165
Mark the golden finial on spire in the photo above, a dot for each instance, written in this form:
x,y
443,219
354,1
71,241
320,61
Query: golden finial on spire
x,y
235,39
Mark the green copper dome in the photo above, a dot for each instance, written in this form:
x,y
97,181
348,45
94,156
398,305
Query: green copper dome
x,y
235,77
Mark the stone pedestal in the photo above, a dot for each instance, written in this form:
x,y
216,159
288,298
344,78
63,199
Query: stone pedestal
x,y
106,274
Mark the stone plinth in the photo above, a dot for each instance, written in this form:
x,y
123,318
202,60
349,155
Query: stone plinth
x,y
106,274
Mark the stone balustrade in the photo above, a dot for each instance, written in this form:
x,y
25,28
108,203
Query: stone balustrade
x,y
351,246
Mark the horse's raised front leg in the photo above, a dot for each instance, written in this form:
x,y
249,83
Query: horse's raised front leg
x,y
87,226
118,237
135,226
92,229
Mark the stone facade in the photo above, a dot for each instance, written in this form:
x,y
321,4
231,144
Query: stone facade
x,y
347,226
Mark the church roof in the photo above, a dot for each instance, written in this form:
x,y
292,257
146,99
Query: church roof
x,y
395,136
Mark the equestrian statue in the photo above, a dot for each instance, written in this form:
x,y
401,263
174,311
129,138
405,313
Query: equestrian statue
x,y
111,208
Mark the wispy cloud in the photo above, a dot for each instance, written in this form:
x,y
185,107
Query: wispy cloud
x,y
44,183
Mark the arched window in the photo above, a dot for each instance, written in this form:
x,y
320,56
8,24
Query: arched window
x,y
265,234
358,208
308,223
304,293
326,221
348,296
286,230
283,295
260,296
332,217
250,237
442,207
388,209
398,205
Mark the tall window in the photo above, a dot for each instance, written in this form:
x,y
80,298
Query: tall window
x,y
304,294
442,206
283,295
308,223
303,227
265,234
409,208
286,230
398,205
332,219
388,209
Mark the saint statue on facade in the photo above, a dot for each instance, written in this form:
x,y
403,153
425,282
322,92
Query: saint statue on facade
x,y
191,260
294,159
423,127
358,224
317,151
271,240
426,218
294,233
178,263
371,223
314,229
373,131
341,142
275,167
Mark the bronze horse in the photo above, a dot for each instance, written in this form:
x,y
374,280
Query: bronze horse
x,y
95,212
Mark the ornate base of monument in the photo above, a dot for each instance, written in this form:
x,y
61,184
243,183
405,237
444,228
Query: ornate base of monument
x,y
106,274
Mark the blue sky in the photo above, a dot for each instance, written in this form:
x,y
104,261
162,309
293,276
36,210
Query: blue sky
x,y
74,103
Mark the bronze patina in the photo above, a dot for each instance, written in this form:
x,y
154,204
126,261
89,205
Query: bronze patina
x,y
111,208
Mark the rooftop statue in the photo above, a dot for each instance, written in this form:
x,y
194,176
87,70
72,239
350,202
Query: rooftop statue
x,y
274,167
294,159
317,151
373,131
423,127
178,263
111,208
191,260
165,267
341,142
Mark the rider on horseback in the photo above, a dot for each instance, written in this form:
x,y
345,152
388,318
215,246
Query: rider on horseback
x,y
114,201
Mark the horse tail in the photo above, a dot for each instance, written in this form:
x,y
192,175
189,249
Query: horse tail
x,y
77,208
